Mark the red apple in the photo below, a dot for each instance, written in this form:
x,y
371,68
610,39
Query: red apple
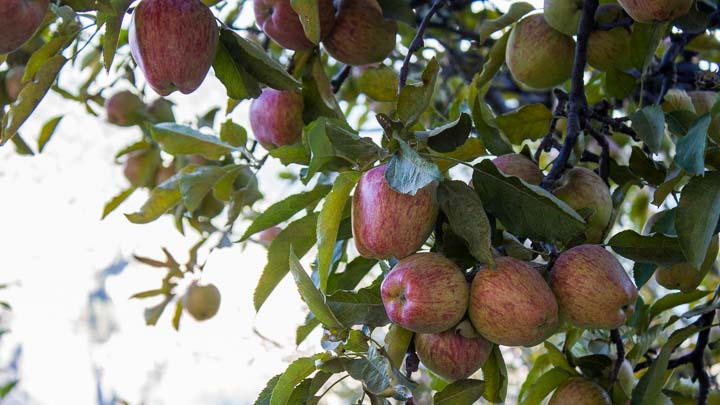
x,y
281,23
451,355
202,301
651,11
19,20
13,81
124,108
276,118
361,35
580,391
267,236
515,164
512,304
592,288
425,293
174,43
387,223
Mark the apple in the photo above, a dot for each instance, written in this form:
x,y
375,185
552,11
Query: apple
x,y
583,190
512,305
677,99
580,391
683,276
13,81
703,101
451,355
281,23
19,20
533,44
563,15
592,288
164,173
518,165
161,110
267,236
652,11
386,223
202,301
361,35
610,49
276,118
425,293
124,109
174,43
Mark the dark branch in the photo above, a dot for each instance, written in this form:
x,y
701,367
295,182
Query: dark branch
x,y
340,78
418,42
620,348
604,161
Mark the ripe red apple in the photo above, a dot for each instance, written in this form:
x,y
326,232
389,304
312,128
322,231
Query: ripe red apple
x,y
580,391
610,49
161,110
592,288
512,304
582,189
174,43
650,11
361,35
387,223
276,118
534,43
425,293
124,108
13,81
19,20
202,301
281,23
518,165
267,236
451,355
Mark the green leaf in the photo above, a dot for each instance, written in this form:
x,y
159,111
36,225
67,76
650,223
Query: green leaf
x,y
364,307
467,218
397,341
451,136
524,209
460,392
539,367
257,62
283,210
264,396
399,10
152,314
309,13
295,373
301,236
111,205
649,124
642,272
379,83
373,372
21,147
618,84
644,41
177,139
196,184
496,378
494,61
354,272
545,385
290,154
113,26
238,82
47,132
313,297
516,11
676,299
658,248
414,99
651,383
557,358
690,149
233,134
698,213
329,222
407,172
163,198
529,122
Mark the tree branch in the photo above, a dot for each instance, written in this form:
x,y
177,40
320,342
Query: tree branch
x,y
418,42
620,348
340,78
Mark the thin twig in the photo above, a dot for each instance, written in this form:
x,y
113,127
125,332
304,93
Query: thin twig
x,y
620,349
418,42
340,78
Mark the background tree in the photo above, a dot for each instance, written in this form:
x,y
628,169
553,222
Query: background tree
x,y
587,109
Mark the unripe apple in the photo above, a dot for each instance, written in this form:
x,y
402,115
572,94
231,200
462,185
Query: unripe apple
x,y
518,165
580,391
610,49
451,355
361,35
135,167
386,223
683,276
276,118
124,108
267,236
592,288
174,43
19,20
512,304
281,23
537,55
202,301
425,293
582,189
651,11
563,15
703,101
13,81
161,110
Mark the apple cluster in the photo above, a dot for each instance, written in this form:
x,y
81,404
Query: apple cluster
x,y
510,303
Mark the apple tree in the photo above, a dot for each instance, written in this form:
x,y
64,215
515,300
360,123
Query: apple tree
x,y
477,176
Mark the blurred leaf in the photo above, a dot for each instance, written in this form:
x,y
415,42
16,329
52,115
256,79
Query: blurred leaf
x,y
295,373
658,248
290,154
152,314
516,11
113,26
529,122
177,139
460,392
642,165
407,172
362,307
313,297
177,315
619,84
414,99
496,377
397,341
21,147
698,213
644,41
649,124
539,367
6,388
676,299
309,13
233,134
379,83
264,396
47,131
162,198
451,136
690,149
399,10
196,184
492,65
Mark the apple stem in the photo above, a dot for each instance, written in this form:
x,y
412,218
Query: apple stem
x,y
418,42
577,103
